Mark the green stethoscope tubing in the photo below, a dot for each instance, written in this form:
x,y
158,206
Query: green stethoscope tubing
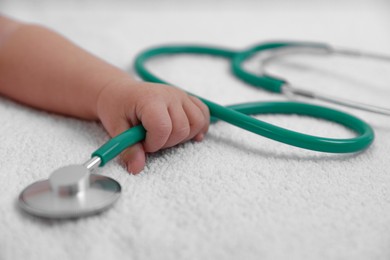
x,y
238,114
271,84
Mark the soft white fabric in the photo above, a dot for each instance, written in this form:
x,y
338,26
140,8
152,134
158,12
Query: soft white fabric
x,y
235,195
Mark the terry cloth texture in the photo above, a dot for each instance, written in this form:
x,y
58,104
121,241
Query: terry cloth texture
x,y
235,195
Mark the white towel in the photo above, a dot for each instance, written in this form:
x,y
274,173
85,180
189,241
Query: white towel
x,y
235,195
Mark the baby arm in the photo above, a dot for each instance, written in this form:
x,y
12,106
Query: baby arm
x,y
42,69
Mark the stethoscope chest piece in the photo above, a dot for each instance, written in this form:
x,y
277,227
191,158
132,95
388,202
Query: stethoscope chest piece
x,y
70,192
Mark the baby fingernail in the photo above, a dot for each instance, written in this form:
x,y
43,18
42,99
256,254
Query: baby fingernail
x,y
129,168
199,137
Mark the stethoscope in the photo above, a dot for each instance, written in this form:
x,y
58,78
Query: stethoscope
x,y
74,191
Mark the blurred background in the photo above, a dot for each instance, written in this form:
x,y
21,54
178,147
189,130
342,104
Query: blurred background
x,y
231,23
117,30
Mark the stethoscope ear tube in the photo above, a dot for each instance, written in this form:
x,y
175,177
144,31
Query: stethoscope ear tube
x,y
278,85
240,119
269,83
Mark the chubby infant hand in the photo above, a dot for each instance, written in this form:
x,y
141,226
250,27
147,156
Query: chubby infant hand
x,y
168,114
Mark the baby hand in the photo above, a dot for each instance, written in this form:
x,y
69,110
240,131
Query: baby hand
x,y
168,114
